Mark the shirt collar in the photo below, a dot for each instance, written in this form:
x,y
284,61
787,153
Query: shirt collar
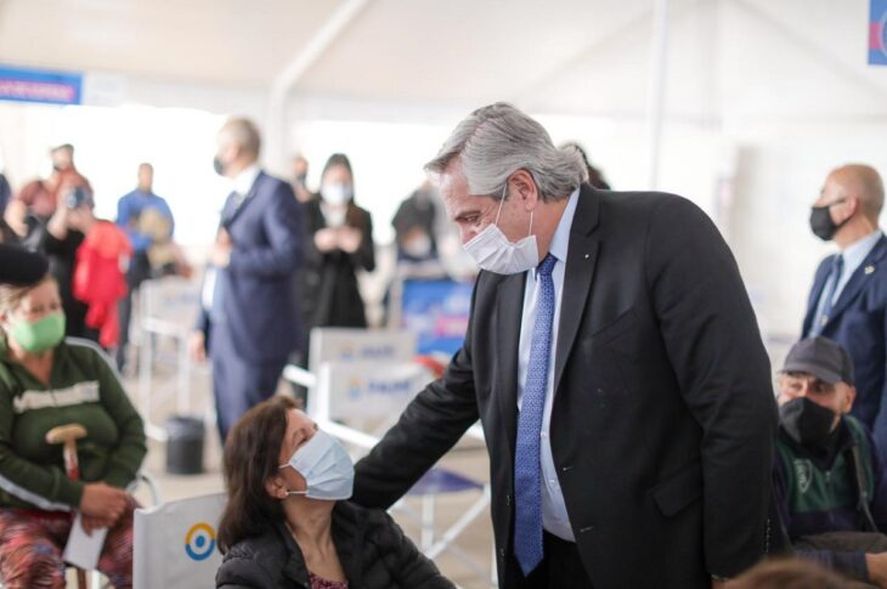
x,y
243,182
560,243
855,253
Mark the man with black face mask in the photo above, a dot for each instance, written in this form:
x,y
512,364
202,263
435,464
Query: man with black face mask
x,y
248,322
848,300
829,481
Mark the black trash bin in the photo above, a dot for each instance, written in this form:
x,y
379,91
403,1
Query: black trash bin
x,y
184,445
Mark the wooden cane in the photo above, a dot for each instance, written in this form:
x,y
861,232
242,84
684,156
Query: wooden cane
x,y
68,435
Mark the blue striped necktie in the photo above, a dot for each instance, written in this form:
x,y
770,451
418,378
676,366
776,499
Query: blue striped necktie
x,y
527,468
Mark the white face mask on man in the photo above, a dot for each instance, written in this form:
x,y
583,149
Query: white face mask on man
x,y
493,252
326,468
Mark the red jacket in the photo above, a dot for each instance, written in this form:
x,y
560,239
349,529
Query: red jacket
x,y
99,279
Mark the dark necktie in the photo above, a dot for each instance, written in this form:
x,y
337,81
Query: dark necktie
x,y
828,292
232,204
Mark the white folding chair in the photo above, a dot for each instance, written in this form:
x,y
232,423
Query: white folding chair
x,y
175,545
441,481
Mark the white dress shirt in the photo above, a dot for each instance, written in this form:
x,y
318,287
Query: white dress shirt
x,y
243,182
854,255
554,511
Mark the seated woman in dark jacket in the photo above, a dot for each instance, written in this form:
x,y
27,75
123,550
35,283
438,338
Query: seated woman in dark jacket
x,y
287,523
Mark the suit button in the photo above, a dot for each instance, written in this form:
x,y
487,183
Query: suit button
x,y
508,500
567,468
502,553
587,529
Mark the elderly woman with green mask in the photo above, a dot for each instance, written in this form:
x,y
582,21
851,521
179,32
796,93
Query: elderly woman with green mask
x,y
45,382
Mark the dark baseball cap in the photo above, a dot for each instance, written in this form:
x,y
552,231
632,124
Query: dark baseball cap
x,y
821,357
21,267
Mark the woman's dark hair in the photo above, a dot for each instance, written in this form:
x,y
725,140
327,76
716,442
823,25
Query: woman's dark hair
x,y
595,176
252,455
338,159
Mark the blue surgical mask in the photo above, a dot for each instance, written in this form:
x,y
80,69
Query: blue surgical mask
x,y
326,468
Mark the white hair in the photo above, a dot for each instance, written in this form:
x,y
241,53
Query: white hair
x,y
495,141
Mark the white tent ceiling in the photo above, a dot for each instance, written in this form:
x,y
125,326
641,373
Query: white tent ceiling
x,y
762,97
727,58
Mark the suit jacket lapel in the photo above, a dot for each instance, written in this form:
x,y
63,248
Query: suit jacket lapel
x,y
859,278
250,196
509,310
581,262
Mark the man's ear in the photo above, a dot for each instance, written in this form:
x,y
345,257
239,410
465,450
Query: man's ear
x,y
526,189
848,400
851,207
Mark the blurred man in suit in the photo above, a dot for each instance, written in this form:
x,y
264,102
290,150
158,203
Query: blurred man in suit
x,y
615,363
250,324
848,301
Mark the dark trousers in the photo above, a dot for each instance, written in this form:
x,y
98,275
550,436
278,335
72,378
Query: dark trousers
x,y
139,271
238,384
561,567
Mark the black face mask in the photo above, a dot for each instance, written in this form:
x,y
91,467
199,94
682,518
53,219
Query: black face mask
x,y
805,421
821,222
218,166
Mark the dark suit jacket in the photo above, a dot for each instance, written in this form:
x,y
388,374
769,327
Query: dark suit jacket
x,y
859,323
258,288
372,549
664,416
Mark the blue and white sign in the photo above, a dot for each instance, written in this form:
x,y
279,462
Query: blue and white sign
x,y
438,311
45,86
339,344
878,33
368,390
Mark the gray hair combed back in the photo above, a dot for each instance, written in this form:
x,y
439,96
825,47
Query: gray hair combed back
x,y
496,140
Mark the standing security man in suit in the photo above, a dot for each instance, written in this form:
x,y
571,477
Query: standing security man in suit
x,y
250,323
848,301
614,361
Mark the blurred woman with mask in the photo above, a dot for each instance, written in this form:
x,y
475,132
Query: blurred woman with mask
x,y
46,382
340,242
287,522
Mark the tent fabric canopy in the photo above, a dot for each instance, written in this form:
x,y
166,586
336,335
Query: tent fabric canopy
x,y
727,59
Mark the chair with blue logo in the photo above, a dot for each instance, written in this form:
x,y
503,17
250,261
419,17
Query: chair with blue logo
x,y
175,545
